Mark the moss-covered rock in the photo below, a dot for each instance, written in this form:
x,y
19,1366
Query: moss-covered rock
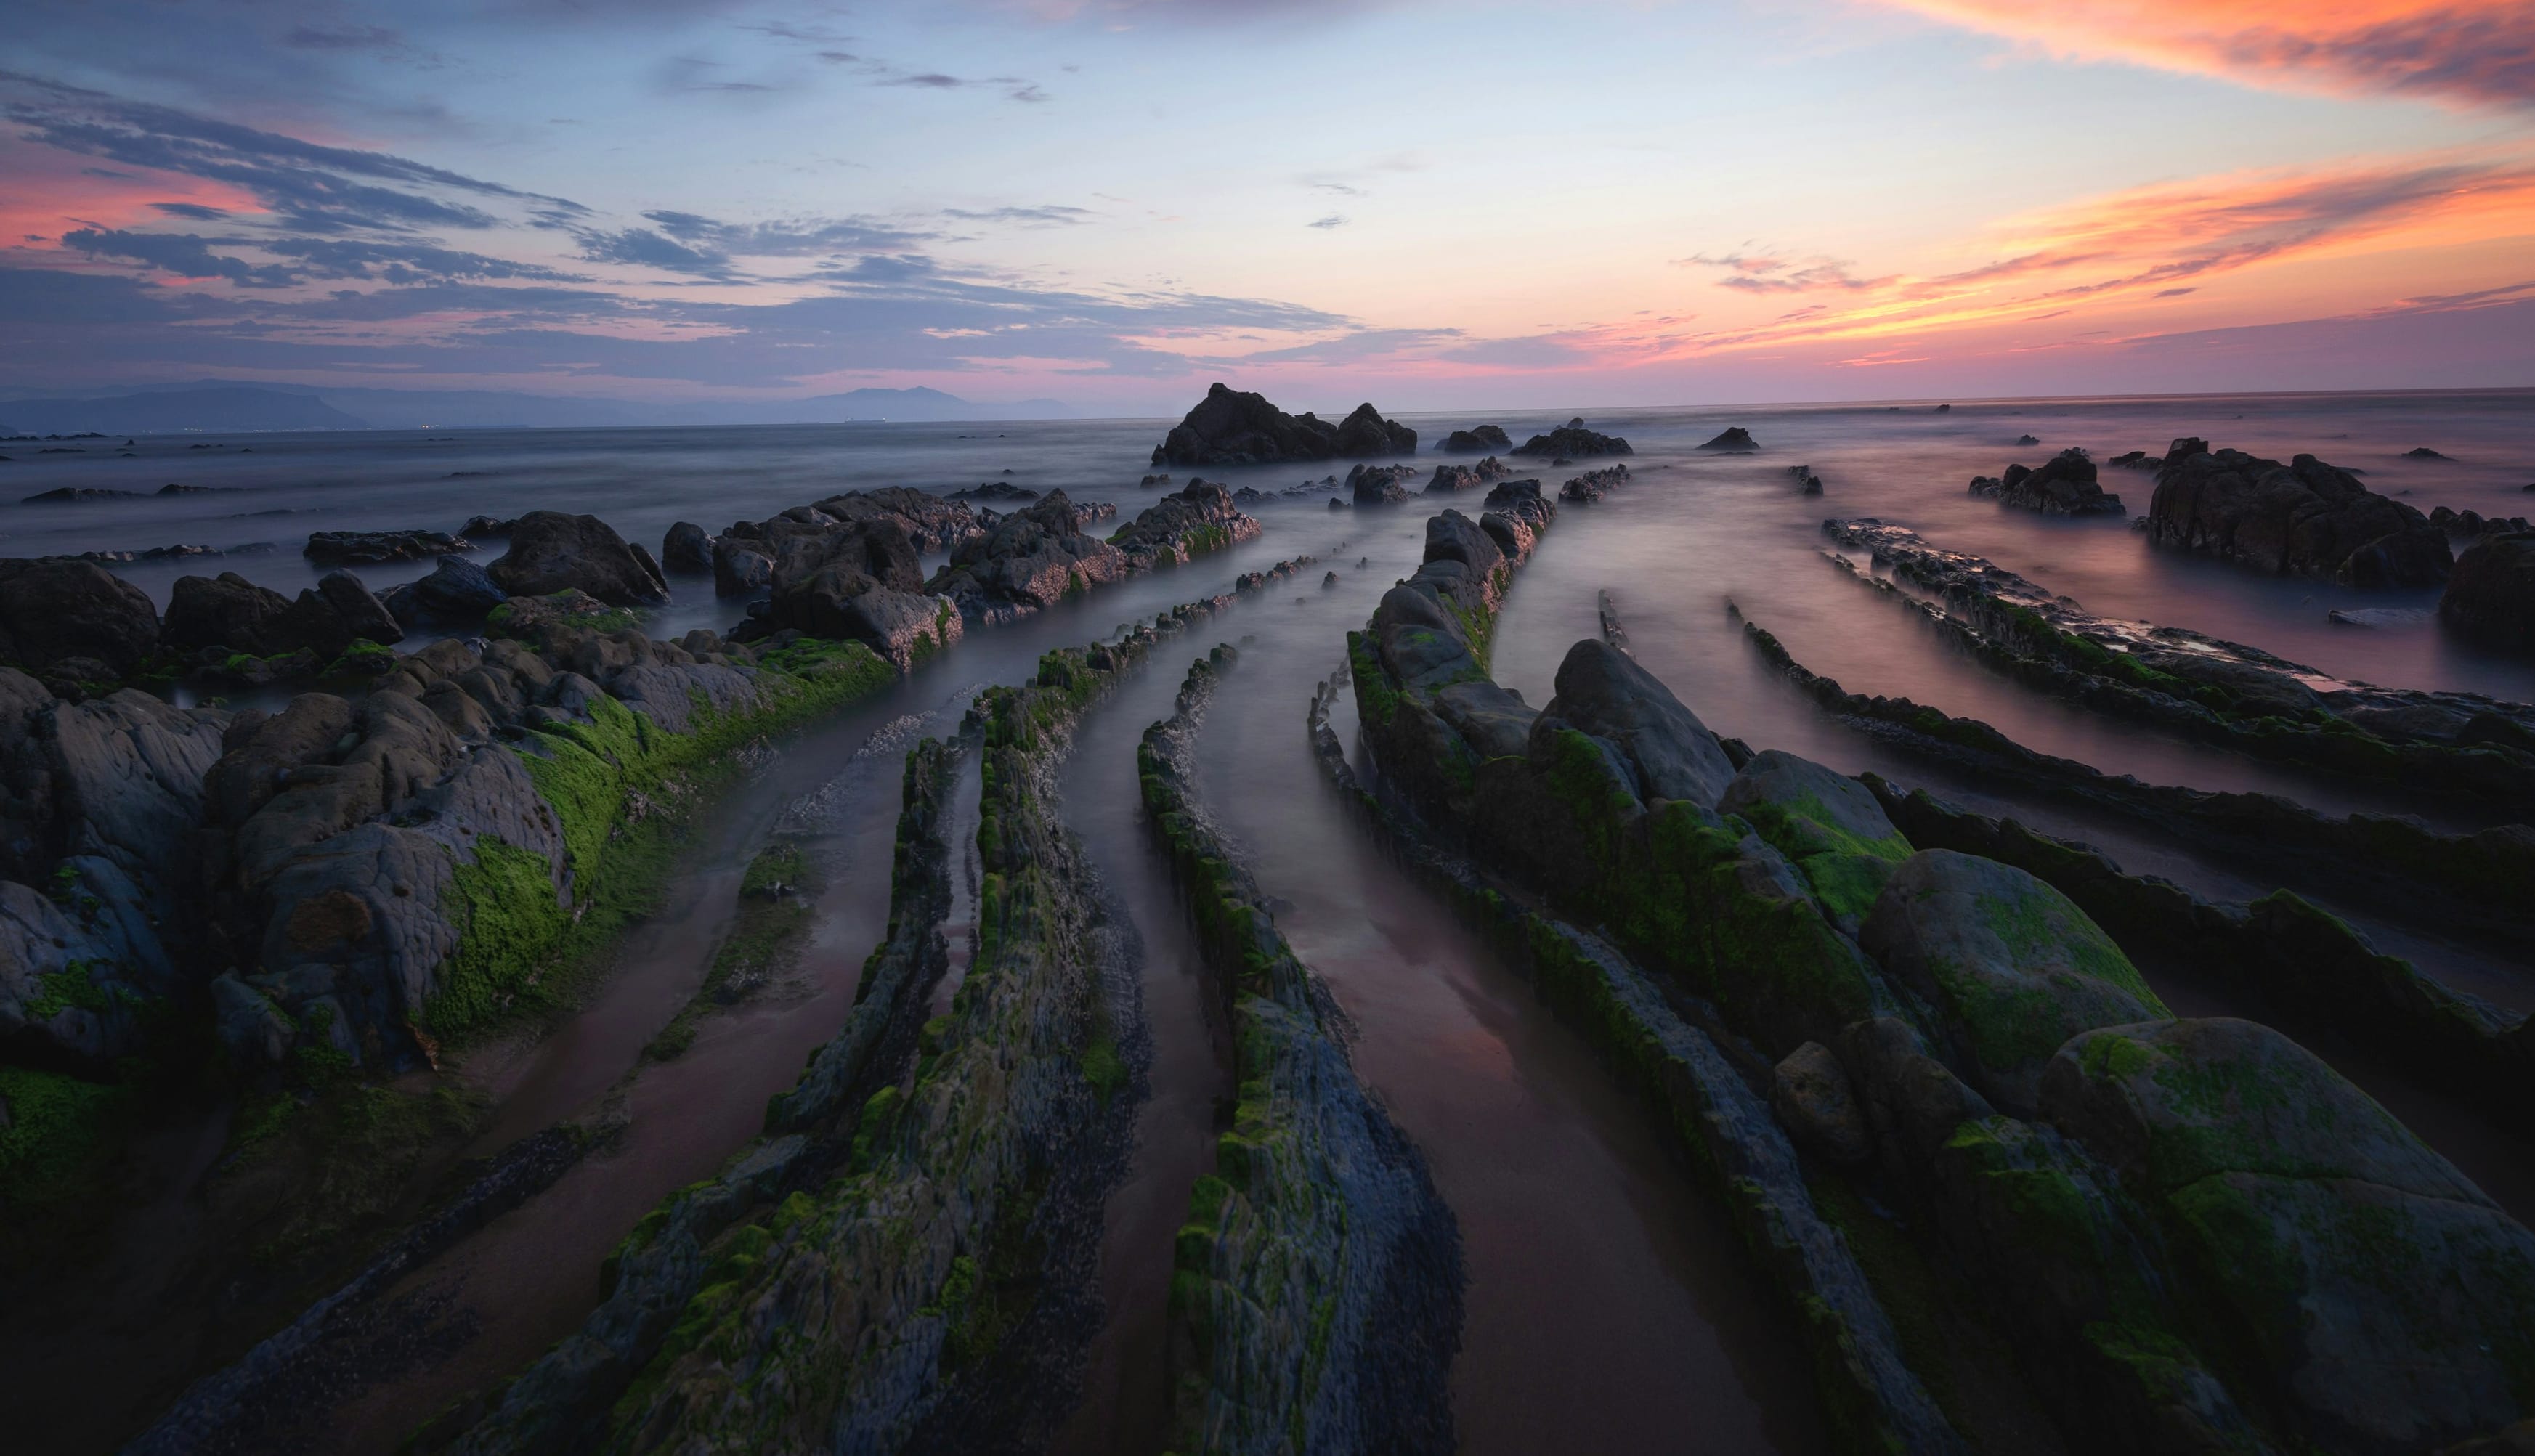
x,y
2010,966
2387,1301
1829,825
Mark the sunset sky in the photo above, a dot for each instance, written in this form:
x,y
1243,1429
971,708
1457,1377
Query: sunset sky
x,y
1110,202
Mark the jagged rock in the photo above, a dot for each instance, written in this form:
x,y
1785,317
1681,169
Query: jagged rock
x,y
1810,1093
2063,486
2387,1294
2422,452
234,613
55,612
2026,440
486,529
2012,967
1521,501
1199,519
362,614
687,550
2303,518
2492,594
1028,560
1477,440
1230,427
1571,440
1364,432
1733,439
1448,479
374,548
1594,485
1379,485
2135,459
1602,692
551,551
995,490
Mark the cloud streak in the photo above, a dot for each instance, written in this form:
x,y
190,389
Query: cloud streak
x,y
2468,52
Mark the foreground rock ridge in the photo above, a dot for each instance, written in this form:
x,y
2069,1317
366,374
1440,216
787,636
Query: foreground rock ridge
x,y
1316,1300
2148,1209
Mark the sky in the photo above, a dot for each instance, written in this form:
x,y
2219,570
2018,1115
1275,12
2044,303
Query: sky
x,y
1111,202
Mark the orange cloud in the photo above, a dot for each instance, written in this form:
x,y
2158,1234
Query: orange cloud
x,y
2137,247
2479,52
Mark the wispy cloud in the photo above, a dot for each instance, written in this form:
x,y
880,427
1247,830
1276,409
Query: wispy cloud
x,y
1335,220
2477,52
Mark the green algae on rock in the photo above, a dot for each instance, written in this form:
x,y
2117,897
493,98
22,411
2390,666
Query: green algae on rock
x,y
1315,1301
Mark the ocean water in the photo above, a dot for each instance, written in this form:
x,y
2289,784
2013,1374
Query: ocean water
x,y
1607,1308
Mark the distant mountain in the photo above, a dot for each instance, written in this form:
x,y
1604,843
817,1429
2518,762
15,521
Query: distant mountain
x,y
229,407
215,407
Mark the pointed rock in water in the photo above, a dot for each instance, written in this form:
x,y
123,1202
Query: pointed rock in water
x,y
2026,440
2064,486
551,551
2423,453
1571,440
1232,427
1379,485
687,550
1734,438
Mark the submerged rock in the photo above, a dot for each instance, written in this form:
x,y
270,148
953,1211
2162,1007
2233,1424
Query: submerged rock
x,y
1379,485
375,548
1199,519
2303,518
1030,559
1734,439
1445,480
1595,485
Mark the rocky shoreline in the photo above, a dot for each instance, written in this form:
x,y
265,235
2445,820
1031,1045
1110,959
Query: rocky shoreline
x,y
1960,1041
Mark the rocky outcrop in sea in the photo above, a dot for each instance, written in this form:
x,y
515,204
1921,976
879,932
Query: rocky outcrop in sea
x,y
2064,485
1573,440
1232,427
1477,440
2303,518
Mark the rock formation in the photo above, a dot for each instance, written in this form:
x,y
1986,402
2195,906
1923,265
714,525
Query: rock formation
x,y
2491,596
1477,440
1199,519
1026,561
1230,427
74,621
2063,486
1572,441
687,550
1594,485
552,552
376,548
2303,518
1733,440
1445,480
1379,485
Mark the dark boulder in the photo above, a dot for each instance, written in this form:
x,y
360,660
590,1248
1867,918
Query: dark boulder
x,y
1232,427
1735,438
485,528
457,594
740,565
551,551
2026,440
2064,486
1571,440
2491,596
374,548
2303,518
1365,433
1445,480
2422,452
55,612
1521,501
1594,485
1810,1094
232,612
995,490
1477,440
1379,485
687,550
362,614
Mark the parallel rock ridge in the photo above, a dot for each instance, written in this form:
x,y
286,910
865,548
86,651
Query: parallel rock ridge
x,y
2303,518
1316,1300
1232,427
2117,1183
2226,692
907,1256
